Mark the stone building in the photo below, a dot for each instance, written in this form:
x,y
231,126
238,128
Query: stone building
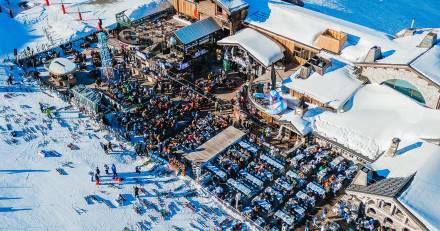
x,y
381,203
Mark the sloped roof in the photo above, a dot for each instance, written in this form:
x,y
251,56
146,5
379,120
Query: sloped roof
x,y
389,187
232,5
216,145
197,30
333,88
429,64
262,48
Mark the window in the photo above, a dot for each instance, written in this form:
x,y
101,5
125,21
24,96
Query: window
x,y
406,88
301,52
219,10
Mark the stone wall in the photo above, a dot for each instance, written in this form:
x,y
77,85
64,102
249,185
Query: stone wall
x,y
430,92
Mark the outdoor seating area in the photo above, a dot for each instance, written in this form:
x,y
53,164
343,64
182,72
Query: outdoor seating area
x,y
272,191
165,121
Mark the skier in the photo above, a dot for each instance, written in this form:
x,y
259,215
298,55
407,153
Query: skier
x,y
105,149
136,191
98,172
106,169
97,178
10,79
110,146
138,170
115,174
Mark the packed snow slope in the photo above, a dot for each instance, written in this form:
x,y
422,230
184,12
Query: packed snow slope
x,y
389,16
41,26
33,196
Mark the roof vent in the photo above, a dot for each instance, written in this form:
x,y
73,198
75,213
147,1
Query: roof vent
x,y
319,64
373,54
429,40
392,151
406,32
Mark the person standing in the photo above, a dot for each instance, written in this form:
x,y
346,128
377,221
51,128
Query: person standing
x,y
136,191
115,174
10,80
106,169
97,178
98,172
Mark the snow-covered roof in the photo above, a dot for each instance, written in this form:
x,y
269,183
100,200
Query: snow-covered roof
x,y
374,116
264,49
333,88
147,9
62,66
232,5
305,26
429,64
421,197
299,123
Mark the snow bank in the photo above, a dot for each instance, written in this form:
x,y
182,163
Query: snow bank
x,y
374,116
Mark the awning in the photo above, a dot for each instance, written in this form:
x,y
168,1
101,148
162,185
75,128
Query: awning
x,y
215,145
262,48
197,30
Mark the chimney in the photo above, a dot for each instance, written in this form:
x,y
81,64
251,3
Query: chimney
x,y
373,54
406,32
301,108
429,40
394,146
305,71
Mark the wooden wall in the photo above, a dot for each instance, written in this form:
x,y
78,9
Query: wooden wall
x,y
185,7
309,99
293,48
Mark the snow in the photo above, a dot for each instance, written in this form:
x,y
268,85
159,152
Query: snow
x,y
258,45
421,197
41,27
374,116
387,16
233,5
34,196
61,66
304,25
429,64
333,88
299,123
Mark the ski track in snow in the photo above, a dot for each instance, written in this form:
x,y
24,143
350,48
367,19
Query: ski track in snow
x,y
34,196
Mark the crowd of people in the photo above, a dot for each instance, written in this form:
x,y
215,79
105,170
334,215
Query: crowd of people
x,y
277,192
165,117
